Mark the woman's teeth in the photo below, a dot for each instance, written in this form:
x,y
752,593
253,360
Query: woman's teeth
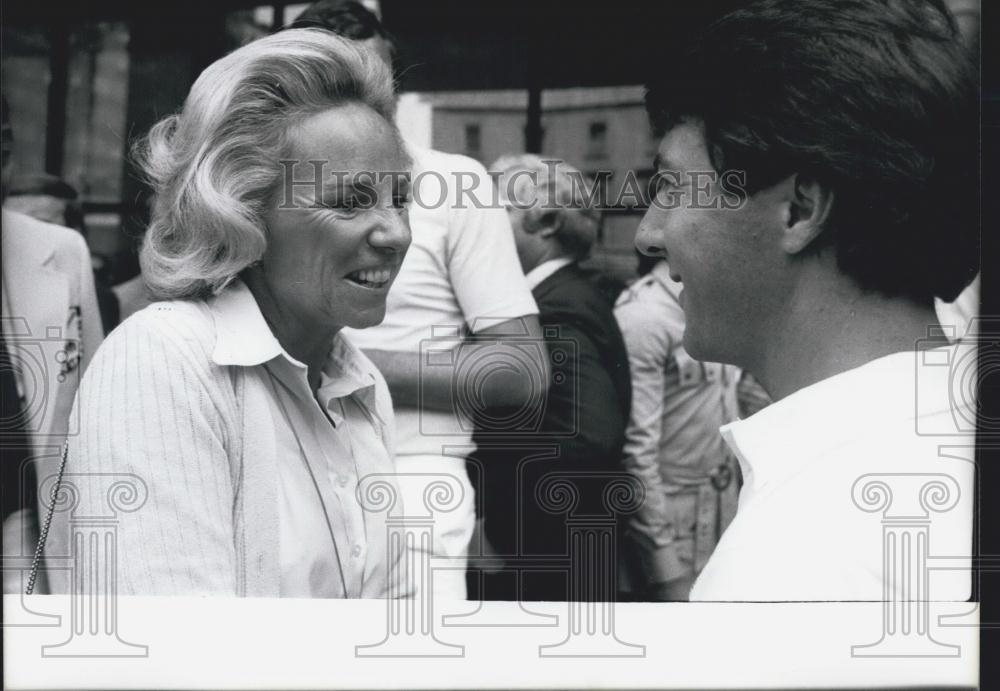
x,y
376,277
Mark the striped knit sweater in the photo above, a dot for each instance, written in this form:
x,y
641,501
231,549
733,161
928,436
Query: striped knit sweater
x,y
198,440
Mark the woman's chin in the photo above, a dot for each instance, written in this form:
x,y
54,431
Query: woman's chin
x,y
367,319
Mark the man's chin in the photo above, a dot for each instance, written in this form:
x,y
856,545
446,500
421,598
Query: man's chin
x,y
699,348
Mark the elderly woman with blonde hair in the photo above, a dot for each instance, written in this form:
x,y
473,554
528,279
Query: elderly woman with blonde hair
x,y
244,422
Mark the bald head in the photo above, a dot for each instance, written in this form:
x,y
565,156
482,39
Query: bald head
x,y
549,205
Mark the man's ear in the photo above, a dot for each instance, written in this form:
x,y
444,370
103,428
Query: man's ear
x,y
810,203
544,222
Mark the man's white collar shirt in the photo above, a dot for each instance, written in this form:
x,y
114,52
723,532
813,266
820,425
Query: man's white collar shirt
x,y
546,269
851,482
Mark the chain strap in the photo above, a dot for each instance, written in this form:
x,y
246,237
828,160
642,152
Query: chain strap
x,y
48,522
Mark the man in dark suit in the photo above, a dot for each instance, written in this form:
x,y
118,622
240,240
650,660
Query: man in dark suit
x,y
540,480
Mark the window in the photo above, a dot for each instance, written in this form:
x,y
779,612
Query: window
x,y
473,140
597,140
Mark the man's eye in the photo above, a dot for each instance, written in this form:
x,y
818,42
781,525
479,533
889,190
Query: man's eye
x,y
665,187
669,185
400,202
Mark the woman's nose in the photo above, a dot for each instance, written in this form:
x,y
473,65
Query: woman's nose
x,y
393,232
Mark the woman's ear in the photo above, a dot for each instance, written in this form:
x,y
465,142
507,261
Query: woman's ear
x,y
810,203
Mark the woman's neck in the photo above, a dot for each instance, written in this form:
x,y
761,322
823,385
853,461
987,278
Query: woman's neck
x,y
303,338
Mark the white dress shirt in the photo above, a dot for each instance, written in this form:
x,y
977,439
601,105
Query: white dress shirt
x,y
546,269
324,547
816,467
325,445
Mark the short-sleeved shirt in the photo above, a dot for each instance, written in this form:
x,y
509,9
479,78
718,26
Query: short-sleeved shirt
x,y
461,274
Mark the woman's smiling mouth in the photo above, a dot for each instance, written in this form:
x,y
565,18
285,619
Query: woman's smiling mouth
x,y
370,278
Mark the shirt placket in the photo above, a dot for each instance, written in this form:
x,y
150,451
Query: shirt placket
x,y
313,430
338,452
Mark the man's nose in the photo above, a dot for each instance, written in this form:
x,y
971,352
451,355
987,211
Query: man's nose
x,y
648,239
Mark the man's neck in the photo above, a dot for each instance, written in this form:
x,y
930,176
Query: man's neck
x,y
827,330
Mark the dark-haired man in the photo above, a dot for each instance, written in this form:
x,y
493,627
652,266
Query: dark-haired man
x,y
854,125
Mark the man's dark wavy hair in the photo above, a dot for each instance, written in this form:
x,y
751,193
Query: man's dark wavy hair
x,y
878,99
346,18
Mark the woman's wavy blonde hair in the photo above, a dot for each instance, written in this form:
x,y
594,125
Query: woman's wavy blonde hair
x,y
214,167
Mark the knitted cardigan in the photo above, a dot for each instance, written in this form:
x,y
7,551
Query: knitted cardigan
x,y
177,451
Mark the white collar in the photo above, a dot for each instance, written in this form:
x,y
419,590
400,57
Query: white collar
x,y
244,339
546,269
779,439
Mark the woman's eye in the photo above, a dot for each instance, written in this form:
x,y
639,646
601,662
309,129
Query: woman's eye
x,y
348,205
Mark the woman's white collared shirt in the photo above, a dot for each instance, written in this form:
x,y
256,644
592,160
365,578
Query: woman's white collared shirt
x,y
247,483
325,445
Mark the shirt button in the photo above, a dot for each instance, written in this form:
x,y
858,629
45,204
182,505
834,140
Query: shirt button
x,y
342,480
356,551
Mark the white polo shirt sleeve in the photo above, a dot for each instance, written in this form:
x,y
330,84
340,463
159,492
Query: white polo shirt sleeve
x,y
485,272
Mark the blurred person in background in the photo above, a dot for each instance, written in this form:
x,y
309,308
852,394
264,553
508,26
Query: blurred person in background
x,y
47,198
582,427
672,443
51,327
53,200
132,295
236,400
461,278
